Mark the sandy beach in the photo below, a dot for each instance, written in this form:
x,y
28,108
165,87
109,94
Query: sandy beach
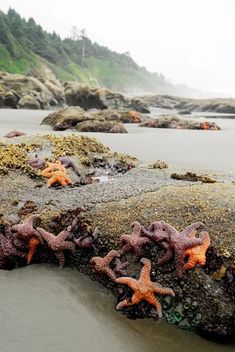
x,y
185,148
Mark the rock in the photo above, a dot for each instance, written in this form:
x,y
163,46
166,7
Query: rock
x,y
100,98
193,177
188,105
141,194
28,102
132,117
10,99
101,126
17,86
175,122
84,121
159,165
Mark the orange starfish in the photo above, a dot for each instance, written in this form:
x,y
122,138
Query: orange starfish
x,y
52,167
134,116
58,177
33,243
144,289
197,254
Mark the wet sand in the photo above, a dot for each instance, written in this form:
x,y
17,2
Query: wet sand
x,y
193,149
47,309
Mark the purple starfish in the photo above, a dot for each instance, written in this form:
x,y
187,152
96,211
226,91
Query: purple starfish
x,y
7,249
134,242
174,242
37,163
25,230
14,133
87,240
67,162
58,243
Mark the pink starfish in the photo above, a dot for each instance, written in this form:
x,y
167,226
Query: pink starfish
x,y
58,243
102,265
25,230
14,133
134,242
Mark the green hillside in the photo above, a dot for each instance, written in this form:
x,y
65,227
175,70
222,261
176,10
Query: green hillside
x,y
25,46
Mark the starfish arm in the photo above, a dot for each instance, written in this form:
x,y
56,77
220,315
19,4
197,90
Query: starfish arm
x,y
192,242
112,254
206,241
64,234
167,256
137,227
163,290
191,228
170,229
47,236
135,299
110,273
145,271
179,262
157,305
129,281
125,249
147,233
60,256
190,264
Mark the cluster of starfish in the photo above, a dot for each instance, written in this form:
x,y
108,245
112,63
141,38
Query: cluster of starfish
x,y
56,174
23,237
180,245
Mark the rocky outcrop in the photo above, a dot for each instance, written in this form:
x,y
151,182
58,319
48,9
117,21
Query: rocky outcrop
x,y
175,122
17,91
100,98
203,301
74,117
187,105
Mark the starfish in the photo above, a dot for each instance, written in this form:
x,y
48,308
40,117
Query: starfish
x,y
102,265
144,289
7,249
25,230
197,254
14,133
51,167
134,242
58,177
119,267
33,243
36,163
58,243
177,244
66,162
87,240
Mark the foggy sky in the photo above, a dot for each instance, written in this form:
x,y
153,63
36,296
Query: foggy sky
x,y
189,41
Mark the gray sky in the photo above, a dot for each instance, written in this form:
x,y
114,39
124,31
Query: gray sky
x,y
189,41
